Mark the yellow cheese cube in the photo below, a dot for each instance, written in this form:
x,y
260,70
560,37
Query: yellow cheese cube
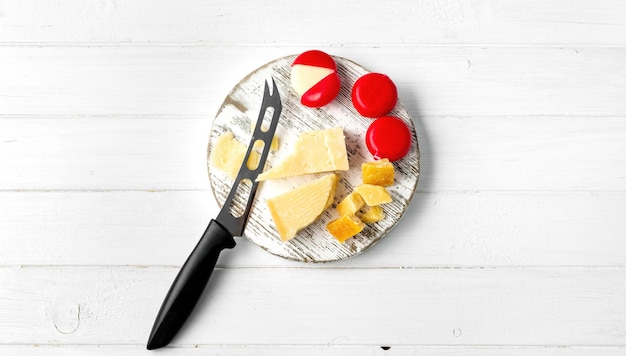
x,y
380,172
373,194
350,204
314,152
345,227
296,209
373,214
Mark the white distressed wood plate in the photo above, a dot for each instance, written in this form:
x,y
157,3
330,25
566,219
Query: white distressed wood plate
x,y
314,243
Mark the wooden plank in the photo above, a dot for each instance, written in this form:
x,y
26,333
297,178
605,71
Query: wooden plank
x,y
432,81
457,153
450,229
422,22
104,153
536,307
326,350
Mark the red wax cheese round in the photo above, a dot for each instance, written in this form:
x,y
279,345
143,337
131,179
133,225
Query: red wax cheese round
x,y
314,77
388,137
374,95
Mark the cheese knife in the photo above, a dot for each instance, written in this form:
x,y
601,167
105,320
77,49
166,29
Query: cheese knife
x,y
194,275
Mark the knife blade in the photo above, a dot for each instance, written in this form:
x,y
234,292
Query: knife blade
x,y
194,275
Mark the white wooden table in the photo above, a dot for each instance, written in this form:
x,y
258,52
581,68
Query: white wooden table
x,y
514,244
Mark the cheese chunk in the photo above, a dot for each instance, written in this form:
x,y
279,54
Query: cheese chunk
x,y
314,152
228,154
373,194
350,204
373,214
380,172
345,227
296,209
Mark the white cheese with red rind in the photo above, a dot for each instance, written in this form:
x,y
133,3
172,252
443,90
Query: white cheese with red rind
x,y
304,77
314,78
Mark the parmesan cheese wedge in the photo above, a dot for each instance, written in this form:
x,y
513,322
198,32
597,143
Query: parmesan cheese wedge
x,y
296,209
314,152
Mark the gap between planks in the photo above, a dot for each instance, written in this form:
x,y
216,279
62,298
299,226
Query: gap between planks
x,y
561,45
328,266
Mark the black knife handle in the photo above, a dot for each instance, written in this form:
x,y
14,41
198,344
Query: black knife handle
x,y
189,284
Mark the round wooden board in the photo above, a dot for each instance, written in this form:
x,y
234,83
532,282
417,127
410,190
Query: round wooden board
x,y
314,243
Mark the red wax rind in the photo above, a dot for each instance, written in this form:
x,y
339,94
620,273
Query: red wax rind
x,y
388,137
316,58
374,95
314,78
323,92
